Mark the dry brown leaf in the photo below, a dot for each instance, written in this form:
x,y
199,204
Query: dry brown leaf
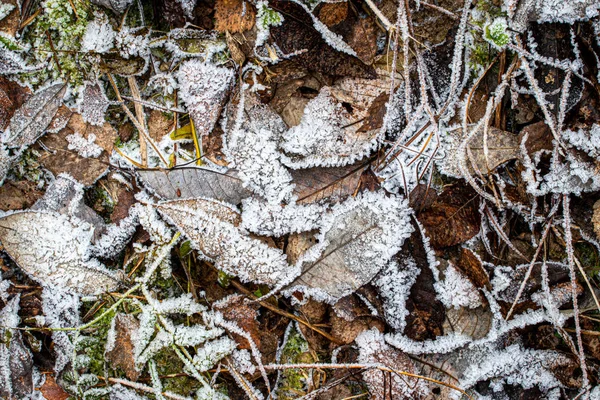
x,y
234,16
10,24
244,314
333,184
159,125
18,195
121,355
472,268
60,120
363,39
51,391
105,134
475,323
12,96
61,160
333,13
453,218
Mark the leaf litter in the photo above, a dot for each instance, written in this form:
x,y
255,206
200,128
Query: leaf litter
x,y
260,199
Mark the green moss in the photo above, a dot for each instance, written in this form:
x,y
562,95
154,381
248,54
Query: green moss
x,y
170,366
28,166
294,381
496,32
587,254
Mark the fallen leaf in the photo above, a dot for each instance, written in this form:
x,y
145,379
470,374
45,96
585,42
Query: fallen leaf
x,y
331,131
121,351
356,241
475,323
234,16
10,23
31,120
51,391
16,361
332,184
57,158
53,251
237,309
297,34
115,64
212,228
18,195
60,120
333,13
159,125
204,89
12,96
453,218
363,39
93,104
190,182
374,350
502,146
471,267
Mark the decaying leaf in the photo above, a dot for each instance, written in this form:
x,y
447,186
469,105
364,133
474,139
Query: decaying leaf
x,y
212,227
333,13
31,120
234,16
475,323
115,64
374,349
16,361
500,147
453,218
356,241
53,251
596,219
12,96
51,391
120,351
18,195
188,183
330,132
333,184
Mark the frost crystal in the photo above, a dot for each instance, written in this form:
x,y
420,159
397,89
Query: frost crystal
x,y
455,290
273,219
212,352
61,310
252,148
204,87
394,283
93,104
86,148
99,35
585,141
131,43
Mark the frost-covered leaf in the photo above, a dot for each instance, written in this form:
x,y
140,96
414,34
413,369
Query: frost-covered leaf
x,y
331,131
5,163
499,147
212,227
374,350
475,323
358,238
204,89
119,351
93,104
31,120
53,251
188,183
332,184
252,149
16,361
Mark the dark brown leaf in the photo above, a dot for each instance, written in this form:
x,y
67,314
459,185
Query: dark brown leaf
x,y
12,96
244,314
471,267
333,13
298,34
453,218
